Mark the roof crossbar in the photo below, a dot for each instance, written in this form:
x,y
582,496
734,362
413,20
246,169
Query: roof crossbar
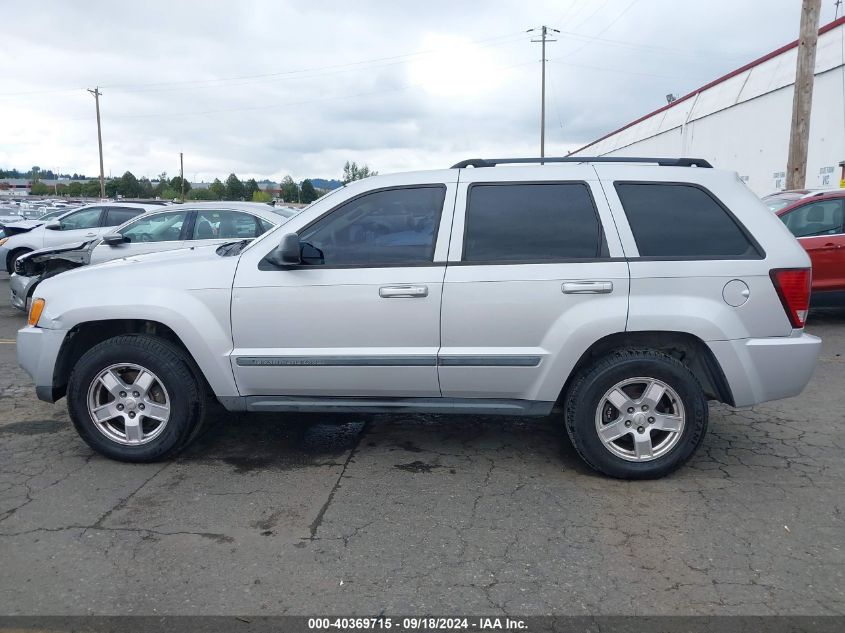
x,y
663,162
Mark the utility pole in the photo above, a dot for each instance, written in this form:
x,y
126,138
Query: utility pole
x,y
544,37
802,100
182,176
96,92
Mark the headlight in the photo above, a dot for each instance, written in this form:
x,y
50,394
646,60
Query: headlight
x,y
35,311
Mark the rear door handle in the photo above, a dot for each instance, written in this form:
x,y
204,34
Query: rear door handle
x,y
402,292
586,287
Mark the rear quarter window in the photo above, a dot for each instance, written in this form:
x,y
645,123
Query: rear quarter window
x,y
677,220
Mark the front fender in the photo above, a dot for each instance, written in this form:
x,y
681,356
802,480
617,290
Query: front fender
x,y
200,318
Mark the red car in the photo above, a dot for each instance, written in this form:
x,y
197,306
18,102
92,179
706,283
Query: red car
x,y
817,222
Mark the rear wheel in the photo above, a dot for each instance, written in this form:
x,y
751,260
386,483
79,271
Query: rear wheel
x,y
636,414
136,398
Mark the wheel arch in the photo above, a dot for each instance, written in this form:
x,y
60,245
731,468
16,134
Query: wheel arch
x,y
84,336
13,254
687,348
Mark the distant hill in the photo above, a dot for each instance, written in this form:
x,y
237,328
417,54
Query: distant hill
x,y
322,183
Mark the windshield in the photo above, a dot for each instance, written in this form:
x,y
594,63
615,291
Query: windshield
x,y
776,204
53,214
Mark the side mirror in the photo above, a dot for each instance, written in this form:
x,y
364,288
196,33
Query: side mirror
x,y
53,225
113,239
288,252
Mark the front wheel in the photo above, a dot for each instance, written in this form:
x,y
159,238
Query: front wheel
x,y
636,414
136,398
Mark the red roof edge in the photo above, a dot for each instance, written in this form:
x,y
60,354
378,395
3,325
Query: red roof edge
x,y
824,29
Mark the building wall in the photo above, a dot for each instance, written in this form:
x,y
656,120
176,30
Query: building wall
x,y
742,122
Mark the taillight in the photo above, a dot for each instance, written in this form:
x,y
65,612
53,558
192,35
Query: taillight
x,y
793,287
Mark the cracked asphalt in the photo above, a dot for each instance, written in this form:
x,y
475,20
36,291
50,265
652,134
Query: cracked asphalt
x,y
424,514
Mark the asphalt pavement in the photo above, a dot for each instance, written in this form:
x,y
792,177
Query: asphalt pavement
x,y
293,514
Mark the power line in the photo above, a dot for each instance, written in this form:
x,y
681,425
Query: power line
x,y
272,106
606,28
590,17
566,12
621,71
499,40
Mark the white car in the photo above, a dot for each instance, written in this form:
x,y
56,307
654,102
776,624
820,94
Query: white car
x,y
79,225
166,229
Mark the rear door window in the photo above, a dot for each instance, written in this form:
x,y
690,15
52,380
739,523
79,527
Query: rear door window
x,y
677,220
115,216
531,222
225,224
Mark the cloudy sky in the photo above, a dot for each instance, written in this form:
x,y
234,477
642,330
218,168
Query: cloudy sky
x,y
281,87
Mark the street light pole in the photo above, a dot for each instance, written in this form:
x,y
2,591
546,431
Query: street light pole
x,y
96,92
802,99
544,37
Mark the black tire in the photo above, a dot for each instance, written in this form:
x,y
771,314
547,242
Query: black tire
x,y
588,389
177,372
13,257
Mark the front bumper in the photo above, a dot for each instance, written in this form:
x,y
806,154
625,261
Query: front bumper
x,y
38,349
4,256
763,369
20,288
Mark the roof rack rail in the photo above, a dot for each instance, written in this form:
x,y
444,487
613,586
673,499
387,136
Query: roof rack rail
x,y
663,162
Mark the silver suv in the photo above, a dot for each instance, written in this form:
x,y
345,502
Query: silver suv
x,y
628,292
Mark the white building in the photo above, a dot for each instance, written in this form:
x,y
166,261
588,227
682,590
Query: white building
x,y
741,121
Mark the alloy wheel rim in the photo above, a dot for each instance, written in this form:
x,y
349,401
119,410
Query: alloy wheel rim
x,y
128,404
640,419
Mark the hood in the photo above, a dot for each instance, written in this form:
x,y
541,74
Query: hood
x,y
54,260
186,268
21,226
46,253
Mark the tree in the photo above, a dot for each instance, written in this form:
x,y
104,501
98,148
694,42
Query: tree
x,y
351,172
112,187
290,191
261,196
145,188
74,189
202,194
234,188
250,188
39,189
91,189
176,185
309,194
127,185
218,189
35,173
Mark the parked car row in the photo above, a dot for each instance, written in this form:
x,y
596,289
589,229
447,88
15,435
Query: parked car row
x,y
817,220
101,232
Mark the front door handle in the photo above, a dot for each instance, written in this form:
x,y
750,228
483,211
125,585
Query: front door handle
x,y
586,287
402,292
